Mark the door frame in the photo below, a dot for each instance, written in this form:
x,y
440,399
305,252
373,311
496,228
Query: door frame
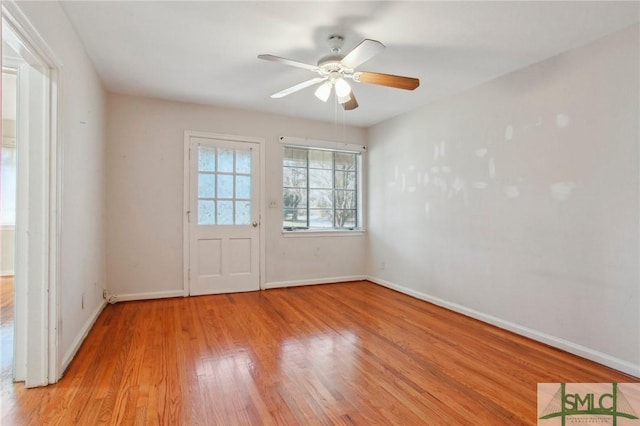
x,y
43,301
188,134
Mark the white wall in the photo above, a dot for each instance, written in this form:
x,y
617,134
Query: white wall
x,y
82,238
517,201
145,196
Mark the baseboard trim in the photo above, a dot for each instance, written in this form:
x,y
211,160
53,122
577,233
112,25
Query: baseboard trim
x,y
556,342
296,283
128,297
75,346
7,273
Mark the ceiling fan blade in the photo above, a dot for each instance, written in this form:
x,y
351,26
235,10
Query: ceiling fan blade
x,y
360,54
351,104
396,81
298,87
290,62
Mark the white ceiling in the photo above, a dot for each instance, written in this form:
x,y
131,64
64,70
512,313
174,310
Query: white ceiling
x,y
205,52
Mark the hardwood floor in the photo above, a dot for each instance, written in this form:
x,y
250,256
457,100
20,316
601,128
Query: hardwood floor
x,y
352,353
6,329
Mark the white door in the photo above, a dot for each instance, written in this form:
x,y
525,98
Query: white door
x,y
223,216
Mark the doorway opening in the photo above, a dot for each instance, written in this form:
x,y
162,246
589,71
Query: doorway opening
x,y
28,217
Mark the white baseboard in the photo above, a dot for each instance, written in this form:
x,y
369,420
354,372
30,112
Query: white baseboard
x,y
127,297
7,273
556,342
71,353
295,283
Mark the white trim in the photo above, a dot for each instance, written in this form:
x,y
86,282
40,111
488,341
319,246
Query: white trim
x,y
315,281
556,342
316,143
77,342
127,297
317,233
50,297
262,202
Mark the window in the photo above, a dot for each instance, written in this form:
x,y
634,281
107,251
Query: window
x,y
224,186
321,189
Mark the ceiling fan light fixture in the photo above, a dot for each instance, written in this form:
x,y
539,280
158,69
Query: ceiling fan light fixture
x,y
342,87
323,91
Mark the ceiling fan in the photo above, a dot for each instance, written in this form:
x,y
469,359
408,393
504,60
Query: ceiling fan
x,y
335,69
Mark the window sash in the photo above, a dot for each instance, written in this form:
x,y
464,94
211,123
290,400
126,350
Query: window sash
x,y
315,186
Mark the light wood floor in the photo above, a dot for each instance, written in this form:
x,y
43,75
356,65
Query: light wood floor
x,y
6,330
352,353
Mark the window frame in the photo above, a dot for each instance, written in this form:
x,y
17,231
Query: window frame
x,y
334,147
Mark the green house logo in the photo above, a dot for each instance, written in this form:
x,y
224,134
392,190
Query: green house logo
x,y
589,403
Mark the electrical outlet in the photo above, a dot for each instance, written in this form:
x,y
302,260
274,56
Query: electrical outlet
x,y
104,293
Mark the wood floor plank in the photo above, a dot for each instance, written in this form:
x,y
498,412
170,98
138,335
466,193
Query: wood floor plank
x,y
336,354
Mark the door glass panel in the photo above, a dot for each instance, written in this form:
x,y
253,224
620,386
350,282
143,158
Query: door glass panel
x,y
224,186
206,185
243,162
243,212
243,187
225,213
206,159
225,160
206,212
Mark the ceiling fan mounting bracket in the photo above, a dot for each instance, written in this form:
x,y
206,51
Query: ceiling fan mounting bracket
x,y
335,43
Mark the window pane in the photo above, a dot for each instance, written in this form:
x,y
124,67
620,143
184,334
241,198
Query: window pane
x,y
243,162
225,186
225,160
225,213
345,161
295,157
243,212
345,219
320,179
320,218
320,159
206,159
321,198
294,198
206,185
243,187
345,199
296,218
294,177
345,180
206,212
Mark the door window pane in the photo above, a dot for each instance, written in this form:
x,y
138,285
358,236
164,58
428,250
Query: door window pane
x,y
225,160
243,162
225,213
206,159
243,212
206,212
243,187
225,186
206,185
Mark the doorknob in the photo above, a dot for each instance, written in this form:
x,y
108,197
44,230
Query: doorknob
x,y
254,224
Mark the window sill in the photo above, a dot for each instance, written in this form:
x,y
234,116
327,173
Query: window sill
x,y
322,233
